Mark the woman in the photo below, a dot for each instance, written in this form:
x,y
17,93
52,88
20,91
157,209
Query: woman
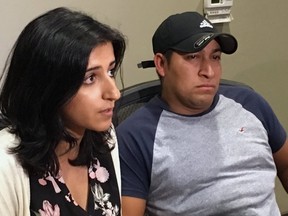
x,y
58,149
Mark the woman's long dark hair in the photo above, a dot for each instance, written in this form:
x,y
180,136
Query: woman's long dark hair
x,y
44,70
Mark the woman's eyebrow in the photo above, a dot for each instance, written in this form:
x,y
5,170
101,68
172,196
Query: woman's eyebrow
x,y
98,67
93,68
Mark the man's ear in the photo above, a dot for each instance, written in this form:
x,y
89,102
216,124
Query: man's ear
x,y
159,61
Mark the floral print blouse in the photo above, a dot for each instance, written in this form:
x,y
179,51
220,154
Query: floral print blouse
x,y
51,197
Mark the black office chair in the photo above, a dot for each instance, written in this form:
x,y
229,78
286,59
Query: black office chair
x,y
135,96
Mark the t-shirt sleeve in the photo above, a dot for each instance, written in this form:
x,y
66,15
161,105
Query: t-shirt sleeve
x,y
276,133
136,140
135,163
256,104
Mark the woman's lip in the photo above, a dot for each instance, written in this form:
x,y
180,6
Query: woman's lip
x,y
108,111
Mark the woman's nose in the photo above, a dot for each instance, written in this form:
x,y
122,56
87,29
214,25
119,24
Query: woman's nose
x,y
111,91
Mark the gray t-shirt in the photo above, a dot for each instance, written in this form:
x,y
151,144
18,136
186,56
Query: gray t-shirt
x,y
217,163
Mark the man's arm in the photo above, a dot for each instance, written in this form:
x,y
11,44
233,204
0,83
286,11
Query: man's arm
x,y
281,161
132,206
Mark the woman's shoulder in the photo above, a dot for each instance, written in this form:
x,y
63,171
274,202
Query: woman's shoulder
x,y
7,140
8,160
14,194
9,165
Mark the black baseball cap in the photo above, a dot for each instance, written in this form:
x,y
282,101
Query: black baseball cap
x,y
188,32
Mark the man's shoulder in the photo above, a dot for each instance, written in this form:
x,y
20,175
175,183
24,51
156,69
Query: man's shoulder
x,y
244,95
235,90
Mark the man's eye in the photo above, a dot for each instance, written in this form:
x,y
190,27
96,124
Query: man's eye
x,y
90,79
217,57
191,56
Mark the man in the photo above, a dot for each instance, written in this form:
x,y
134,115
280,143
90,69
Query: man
x,y
198,149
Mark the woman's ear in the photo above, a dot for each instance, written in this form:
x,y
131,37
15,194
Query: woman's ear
x,y
159,61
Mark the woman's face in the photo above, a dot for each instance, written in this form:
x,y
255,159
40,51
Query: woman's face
x,y
92,106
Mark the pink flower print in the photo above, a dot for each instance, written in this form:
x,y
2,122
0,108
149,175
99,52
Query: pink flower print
x,y
43,182
60,178
48,209
102,174
92,175
69,198
55,185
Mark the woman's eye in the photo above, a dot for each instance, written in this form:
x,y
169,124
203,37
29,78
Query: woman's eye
x,y
90,79
111,73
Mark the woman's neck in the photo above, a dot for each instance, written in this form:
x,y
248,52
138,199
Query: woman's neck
x,y
64,153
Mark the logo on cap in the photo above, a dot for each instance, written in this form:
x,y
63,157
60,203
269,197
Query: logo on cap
x,y
202,40
204,24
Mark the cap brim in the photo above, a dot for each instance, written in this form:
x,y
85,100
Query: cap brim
x,y
227,42
196,43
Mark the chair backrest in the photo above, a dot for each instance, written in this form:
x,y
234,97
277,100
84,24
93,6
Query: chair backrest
x,y
133,97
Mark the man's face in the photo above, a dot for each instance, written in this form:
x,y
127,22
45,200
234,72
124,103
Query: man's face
x,y
191,80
